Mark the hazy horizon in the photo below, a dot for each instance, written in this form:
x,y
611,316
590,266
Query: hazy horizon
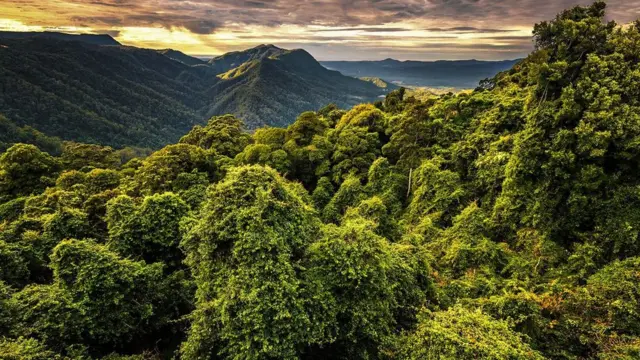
x,y
208,57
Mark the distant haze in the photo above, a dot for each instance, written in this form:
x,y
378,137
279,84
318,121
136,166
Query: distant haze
x,y
437,74
328,29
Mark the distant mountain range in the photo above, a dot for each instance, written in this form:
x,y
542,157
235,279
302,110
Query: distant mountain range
x,y
95,39
90,88
456,74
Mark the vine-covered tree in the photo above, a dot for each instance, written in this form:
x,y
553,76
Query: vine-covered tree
x,y
498,223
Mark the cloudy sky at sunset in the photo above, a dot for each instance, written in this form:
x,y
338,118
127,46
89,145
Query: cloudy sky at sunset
x,y
329,29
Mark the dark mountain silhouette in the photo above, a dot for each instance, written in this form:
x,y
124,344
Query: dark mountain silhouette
x,y
181,57
97,39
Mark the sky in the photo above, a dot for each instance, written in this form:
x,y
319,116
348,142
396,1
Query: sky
x,y
328,29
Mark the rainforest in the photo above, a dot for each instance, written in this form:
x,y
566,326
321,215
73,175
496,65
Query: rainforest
x,y
498,223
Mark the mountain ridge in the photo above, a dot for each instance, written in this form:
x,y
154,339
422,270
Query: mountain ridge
x,y
274,70
439,73
95,39
231,60
181,57
127,96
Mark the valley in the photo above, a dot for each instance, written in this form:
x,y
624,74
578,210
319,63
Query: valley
x,y
93,89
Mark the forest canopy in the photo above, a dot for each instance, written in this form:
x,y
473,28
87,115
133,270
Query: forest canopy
x,y
503,223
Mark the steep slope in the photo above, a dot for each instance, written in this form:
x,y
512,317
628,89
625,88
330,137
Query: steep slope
x,y
274,89
11,133
125,96
181,57
231,60
111,95
459,74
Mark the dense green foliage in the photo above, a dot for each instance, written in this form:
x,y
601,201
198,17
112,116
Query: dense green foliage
x,y
497,224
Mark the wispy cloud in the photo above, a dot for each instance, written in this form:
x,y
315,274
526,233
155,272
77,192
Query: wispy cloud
x,y
330,29
469,29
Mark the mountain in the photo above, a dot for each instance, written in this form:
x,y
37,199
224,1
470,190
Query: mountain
x,y
457,74
10,133
77,88
228,61
113,95
272,85
181,57
95,39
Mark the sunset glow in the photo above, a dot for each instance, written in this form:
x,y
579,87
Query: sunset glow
x,y
330,30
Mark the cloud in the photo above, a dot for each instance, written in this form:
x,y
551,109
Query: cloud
x,y
527,38
466,29
364,29
191,23
357,27
206,15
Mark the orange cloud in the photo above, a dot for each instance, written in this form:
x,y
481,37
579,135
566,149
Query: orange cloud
x,y
329,29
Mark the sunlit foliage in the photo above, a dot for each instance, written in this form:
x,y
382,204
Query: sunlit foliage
x,y
501,223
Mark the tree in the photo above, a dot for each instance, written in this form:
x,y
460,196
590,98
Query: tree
x,y
354,152
47,313
358,137
25,170
306,126
25,349
162,168
437,193
572,161
76,156
416,134
66,223
14,264
364,115
350,193
244,250
459,333
607,306
393,102
116,296
100,180
262,154
13,209
224,134
362,270
149,232
274,137
323,193
499,223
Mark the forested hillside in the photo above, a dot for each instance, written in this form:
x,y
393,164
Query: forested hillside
x,y
271,86
100,94
232,60
498,224
75,88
